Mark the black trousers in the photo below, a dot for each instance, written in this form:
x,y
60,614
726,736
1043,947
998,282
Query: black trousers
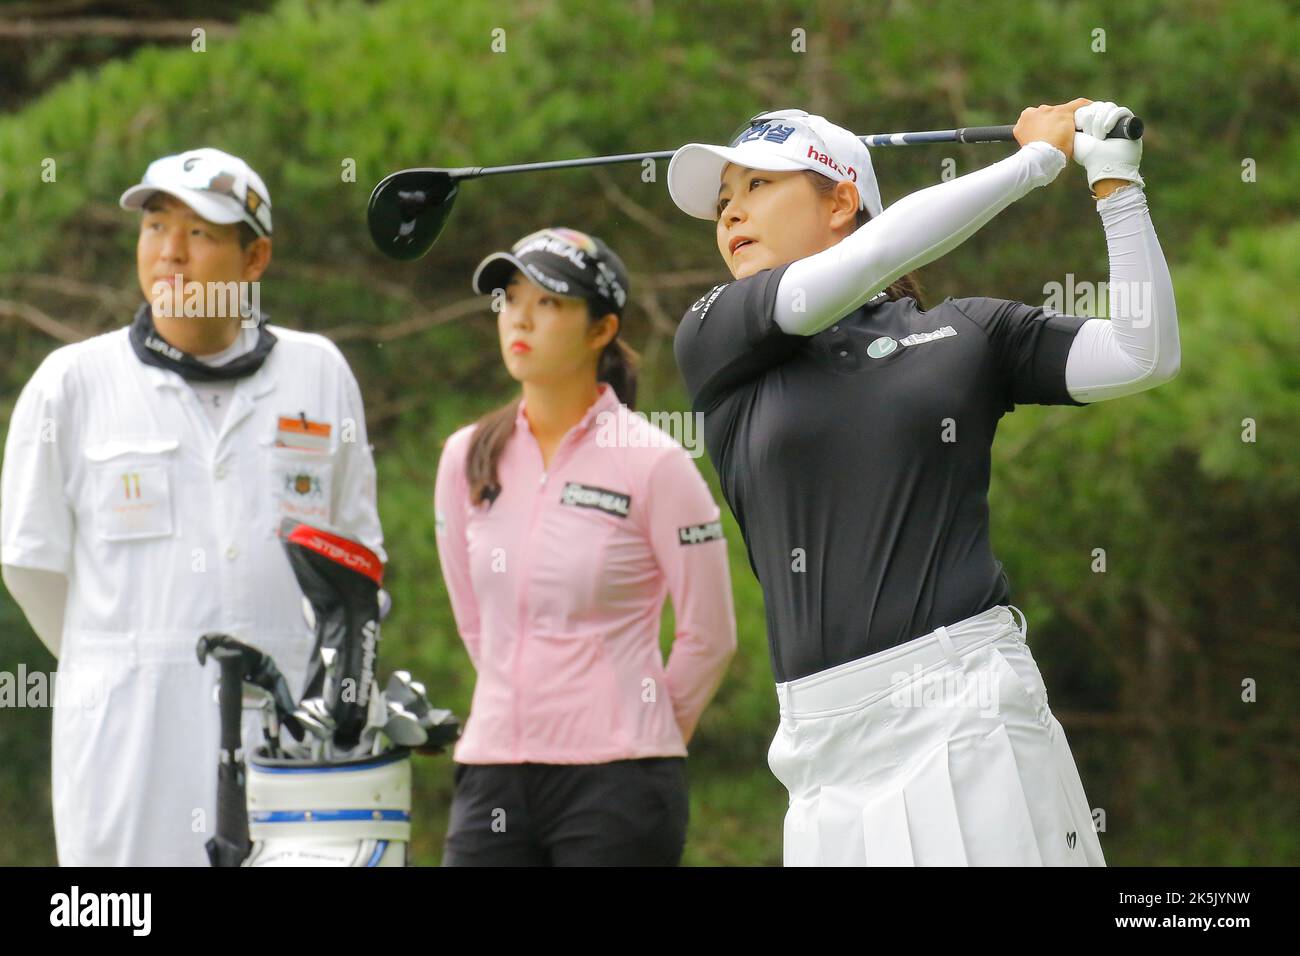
x,y
620,813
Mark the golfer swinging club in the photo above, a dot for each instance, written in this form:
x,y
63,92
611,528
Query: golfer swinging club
x,y
851,431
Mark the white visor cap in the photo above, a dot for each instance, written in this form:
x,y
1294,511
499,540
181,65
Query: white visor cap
x,y
779,141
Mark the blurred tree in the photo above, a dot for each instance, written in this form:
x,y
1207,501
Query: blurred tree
x,y
1144,661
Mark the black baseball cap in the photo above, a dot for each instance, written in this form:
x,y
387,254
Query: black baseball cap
x,y
564,261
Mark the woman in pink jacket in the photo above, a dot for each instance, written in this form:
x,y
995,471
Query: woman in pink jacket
x,y
563,521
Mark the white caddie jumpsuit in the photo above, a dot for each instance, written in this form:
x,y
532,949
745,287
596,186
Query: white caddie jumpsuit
x,y
166,529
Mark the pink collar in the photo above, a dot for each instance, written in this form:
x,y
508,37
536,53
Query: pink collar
x,y
607,401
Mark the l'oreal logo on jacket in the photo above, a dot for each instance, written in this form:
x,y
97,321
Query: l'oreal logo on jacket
x,y
602,499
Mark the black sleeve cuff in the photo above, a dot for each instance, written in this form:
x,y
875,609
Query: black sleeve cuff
x,y
1050,357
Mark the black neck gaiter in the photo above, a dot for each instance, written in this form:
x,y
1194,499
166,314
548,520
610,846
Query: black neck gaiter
x,y
152,349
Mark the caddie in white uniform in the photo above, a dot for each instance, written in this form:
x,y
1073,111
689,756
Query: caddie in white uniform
x,y
145,474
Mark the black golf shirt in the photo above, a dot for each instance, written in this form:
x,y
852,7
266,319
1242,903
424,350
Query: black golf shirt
x,y
859,473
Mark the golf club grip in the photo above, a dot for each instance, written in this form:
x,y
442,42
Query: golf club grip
x,y
1129,127
231,698
232,804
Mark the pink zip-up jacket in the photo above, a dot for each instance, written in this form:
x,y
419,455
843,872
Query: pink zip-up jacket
x,y
558,588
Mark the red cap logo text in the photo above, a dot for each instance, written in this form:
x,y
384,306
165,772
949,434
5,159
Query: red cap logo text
x,y
825,160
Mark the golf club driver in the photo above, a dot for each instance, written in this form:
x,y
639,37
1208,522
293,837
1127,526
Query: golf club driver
x,y
409,208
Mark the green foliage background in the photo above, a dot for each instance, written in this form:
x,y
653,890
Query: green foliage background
x,y
1145,662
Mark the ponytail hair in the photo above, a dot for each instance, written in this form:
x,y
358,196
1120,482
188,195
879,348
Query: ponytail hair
x,y
907,285
485,447
618,365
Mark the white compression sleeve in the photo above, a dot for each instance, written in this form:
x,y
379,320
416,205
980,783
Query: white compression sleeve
x,y
817,291
1138,347
42,596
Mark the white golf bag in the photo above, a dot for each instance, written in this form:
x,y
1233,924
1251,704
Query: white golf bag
x,y
340,795
344,813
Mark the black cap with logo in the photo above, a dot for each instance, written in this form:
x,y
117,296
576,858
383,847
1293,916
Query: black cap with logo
x,y
565,261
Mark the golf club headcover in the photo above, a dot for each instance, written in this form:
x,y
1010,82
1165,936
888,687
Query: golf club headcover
x,y
341,579
257,667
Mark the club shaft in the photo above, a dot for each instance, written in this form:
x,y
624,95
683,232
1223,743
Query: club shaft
x,y
1130,127
470,172
1127,128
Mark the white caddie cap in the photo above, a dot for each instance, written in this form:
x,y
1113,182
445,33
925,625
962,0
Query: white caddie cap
x,y
780,141
218,186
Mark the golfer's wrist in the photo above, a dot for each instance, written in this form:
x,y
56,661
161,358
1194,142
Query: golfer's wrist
x,y
1104,187
1047,160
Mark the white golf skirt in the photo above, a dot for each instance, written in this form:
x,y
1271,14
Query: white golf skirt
x,y
938,752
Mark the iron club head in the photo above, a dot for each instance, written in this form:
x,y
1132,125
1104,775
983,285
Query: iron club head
x,y
403,728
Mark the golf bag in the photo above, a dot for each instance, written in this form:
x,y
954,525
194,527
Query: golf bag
x,y
340,813
340,796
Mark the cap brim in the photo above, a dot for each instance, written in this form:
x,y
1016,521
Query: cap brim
x,y
205,205
695,174
494,271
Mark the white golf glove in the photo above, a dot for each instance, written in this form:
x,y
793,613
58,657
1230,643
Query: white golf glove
x,y
1104,158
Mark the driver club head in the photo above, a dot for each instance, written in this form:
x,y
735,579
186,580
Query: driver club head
x,y
408,210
